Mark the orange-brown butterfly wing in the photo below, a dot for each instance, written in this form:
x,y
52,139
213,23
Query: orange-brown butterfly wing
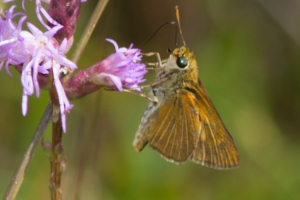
x,y
174,131
215,147
187,126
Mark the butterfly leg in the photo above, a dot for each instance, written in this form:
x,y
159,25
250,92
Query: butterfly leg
x,y
140,94
155,83
159,62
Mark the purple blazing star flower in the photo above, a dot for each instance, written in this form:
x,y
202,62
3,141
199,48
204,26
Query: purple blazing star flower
x,y
36,52
8,34
121,69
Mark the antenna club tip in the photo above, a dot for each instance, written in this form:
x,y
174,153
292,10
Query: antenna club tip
x,y
179,26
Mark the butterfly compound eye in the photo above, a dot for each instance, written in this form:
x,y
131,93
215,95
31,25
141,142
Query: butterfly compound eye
x,y
181,62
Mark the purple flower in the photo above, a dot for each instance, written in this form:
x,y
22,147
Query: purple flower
x,y
9,32
37,52
121,69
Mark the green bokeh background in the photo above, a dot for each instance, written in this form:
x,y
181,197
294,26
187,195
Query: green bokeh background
x,y
249,61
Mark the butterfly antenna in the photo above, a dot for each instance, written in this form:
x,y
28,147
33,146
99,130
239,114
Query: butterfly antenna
x,y
179,26
172,23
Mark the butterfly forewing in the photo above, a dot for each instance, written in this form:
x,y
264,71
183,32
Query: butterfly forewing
x,y
175,129
215,147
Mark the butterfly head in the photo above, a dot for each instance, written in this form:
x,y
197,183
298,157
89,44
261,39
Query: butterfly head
x,y
182,61
181,58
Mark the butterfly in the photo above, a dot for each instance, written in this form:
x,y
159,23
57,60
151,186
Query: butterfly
x,y
182,123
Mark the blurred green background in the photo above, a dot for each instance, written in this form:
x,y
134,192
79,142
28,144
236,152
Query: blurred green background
x,y
249,61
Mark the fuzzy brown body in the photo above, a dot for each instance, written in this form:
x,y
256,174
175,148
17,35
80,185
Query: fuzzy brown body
x,y
182,124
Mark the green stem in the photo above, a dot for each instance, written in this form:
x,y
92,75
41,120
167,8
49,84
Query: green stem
x,y
35,141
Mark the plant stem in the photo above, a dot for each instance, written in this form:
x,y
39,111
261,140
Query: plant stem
x,y
35,141
55,158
